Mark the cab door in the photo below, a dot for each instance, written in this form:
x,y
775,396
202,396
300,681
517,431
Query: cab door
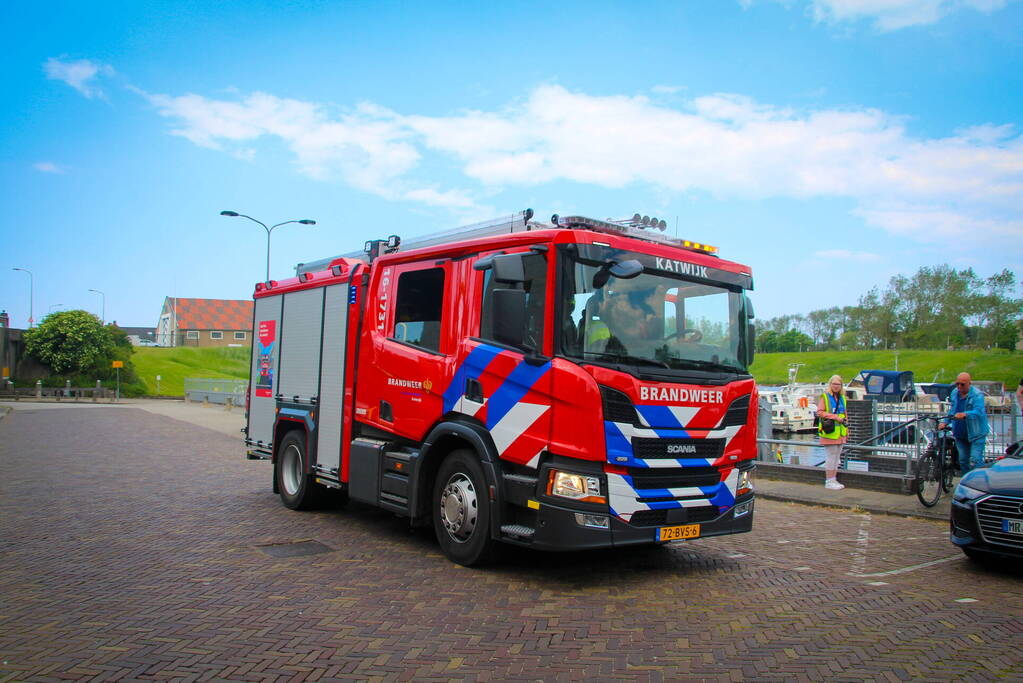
x,y
410,343
508,388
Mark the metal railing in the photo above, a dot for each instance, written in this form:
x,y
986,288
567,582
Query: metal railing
x,y
211,390
888,438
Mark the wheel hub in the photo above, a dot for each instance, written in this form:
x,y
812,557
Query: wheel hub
x,y
459,507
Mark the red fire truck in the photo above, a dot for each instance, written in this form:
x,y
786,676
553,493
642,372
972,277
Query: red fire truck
x,y
574,384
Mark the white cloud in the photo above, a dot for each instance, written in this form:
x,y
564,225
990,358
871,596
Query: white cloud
x,y
80,74
48,167
891,15
730,146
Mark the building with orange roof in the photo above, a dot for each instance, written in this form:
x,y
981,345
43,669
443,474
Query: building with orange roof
x,y
205,322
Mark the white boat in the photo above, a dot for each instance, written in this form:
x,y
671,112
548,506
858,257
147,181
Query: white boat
x,y
786,417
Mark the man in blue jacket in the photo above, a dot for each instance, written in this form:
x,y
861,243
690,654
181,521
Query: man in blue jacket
x,y
969,423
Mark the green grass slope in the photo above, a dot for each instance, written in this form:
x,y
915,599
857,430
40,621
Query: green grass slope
x,y
175,364
997,364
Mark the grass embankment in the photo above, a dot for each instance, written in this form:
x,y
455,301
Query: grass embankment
x,y
175,364
818,366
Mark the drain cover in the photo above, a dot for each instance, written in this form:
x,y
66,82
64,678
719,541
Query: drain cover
x,y
296,549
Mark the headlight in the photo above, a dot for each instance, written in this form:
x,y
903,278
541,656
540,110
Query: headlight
x,y
745,484
581,487
964,493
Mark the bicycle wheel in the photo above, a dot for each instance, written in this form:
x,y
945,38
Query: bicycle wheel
x,y
928,478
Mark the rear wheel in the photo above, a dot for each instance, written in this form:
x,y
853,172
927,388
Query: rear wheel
x,y
297,489
928,478
461,510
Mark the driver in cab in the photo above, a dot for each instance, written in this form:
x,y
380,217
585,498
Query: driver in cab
x,y
625,320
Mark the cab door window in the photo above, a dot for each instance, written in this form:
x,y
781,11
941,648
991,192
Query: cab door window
x,y
535,268
418,308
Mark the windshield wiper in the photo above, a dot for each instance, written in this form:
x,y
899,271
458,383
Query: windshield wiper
x,y
708,364
625,358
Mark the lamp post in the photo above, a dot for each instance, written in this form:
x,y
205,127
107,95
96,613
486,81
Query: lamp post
x,y
304,221
103,317
31,294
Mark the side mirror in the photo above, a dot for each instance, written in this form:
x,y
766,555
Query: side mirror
x,y
751,338
626,270
509,316
749,308
509,269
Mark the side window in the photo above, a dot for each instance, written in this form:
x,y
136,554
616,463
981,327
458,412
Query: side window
x,y
417,308
535,267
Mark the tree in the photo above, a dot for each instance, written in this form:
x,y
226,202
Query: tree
x,y
69,342
75,344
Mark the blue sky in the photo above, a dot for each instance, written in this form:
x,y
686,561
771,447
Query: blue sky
x,y
828,144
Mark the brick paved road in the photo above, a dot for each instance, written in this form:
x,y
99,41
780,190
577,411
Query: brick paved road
x,y
134,546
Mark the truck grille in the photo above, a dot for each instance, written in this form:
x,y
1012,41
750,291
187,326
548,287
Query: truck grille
x,y
990,513
661,449
674,478
704,513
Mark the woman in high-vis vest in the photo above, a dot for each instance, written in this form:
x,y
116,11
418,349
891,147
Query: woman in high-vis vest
x,y
832,406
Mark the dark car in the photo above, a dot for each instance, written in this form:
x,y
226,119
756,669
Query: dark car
x,y
987,510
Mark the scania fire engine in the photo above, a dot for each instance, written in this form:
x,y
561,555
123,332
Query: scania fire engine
x,y
559,385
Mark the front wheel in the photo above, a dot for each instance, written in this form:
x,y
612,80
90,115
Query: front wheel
x,y
461,510
928,478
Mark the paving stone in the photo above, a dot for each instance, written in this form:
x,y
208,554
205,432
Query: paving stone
x,y
132,547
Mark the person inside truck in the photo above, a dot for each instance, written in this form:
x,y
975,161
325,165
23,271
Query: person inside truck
x,y
625,319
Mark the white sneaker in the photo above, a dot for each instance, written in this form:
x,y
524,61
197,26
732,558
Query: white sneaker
x,y
833,485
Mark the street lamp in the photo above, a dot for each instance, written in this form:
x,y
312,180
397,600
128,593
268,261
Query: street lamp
x,y
103,317
304,221
31,293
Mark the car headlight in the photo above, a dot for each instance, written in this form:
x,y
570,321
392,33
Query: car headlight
x,y
581,487
964,493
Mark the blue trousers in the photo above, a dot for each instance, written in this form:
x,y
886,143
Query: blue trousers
x,y
971,453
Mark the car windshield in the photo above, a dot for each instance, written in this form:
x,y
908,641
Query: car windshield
x,y
652,320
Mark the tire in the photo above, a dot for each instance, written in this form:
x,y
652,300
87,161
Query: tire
x,y
461,510
297,489
928,478
976,556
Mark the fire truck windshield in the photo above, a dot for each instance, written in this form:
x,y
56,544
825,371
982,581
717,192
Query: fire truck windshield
x,y
654,319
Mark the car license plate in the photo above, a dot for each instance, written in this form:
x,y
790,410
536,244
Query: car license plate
x,y
1012,526
674,533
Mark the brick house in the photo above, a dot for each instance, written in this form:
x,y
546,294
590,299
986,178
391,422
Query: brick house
x,y
205,322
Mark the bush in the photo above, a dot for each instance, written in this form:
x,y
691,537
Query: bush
x,y
76,346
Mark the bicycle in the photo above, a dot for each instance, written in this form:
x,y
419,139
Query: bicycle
x,y
937,467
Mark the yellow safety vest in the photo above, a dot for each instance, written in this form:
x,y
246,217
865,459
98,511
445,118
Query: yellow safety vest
x,y
597,331
840,429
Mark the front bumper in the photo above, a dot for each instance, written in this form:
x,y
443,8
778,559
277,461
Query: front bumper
x,y
557,528
965,531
